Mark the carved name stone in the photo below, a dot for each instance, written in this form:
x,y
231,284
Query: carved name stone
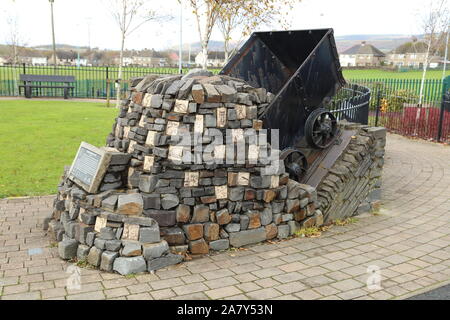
x,y
100,223
130,232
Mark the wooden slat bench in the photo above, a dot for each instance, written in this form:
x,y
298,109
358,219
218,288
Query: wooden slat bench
x,y
31,81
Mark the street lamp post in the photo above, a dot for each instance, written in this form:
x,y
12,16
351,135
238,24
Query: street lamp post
x,y
53,34
180,52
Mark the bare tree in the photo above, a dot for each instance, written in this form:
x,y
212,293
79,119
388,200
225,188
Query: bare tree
x,y
206,13
130,15
229,20
14,40
435,24
244,16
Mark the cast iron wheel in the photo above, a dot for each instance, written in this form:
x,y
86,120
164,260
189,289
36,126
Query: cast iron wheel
x,y
320,128
295,163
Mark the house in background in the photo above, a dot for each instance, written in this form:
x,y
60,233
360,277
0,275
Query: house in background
x,y
68,58
215,59
411,55
361,55
39,61
3,61
143,58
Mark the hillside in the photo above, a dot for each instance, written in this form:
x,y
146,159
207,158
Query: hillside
x,y
384,42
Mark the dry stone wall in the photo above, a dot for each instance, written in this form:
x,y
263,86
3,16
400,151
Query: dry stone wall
x,y
158,203
353,185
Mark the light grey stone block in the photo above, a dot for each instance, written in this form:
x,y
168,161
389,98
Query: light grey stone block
x,y
149,234
242,238
130,265
82,252
155,250
67,249
221,244
107,261
94,256
165,261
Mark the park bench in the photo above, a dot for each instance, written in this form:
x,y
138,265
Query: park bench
x,y
31,81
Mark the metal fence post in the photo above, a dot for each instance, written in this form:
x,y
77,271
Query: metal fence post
x,y
377,113
445,98
441,119
107,88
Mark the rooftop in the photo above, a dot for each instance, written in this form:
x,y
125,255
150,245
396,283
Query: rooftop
x,y
364,48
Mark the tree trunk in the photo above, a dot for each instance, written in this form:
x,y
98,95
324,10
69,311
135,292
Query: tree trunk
x,y
422,84
205,55
225,49
15,54
424,73
119,76
123,29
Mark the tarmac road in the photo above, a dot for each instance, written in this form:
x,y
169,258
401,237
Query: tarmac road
x,y
442,293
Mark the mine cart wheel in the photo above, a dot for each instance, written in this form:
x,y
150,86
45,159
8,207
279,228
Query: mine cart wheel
x,y
295,163
320,128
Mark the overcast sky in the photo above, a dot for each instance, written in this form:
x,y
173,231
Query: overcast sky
x,y
75,20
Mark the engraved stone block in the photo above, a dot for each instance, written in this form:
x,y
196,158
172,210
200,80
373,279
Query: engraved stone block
x,y
172,128
191,179
221,192
149,161
181,106
130,232
100,223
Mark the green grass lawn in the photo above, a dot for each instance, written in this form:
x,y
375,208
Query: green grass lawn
x,y
37,138
383,74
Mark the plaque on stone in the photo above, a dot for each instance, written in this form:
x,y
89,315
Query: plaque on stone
x,y
130,232
89,167
175,153
198,124
172,128
100,223
241,111
221,192
191,179
126,131
149,161
181,106
131,146
274,181
237,135
243,178
253,151
142,121
151,138
221,117
146,102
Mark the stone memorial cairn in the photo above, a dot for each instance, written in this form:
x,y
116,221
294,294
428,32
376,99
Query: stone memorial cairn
x,y
151,208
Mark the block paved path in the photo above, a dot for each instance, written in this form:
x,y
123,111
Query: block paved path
x,y
409,241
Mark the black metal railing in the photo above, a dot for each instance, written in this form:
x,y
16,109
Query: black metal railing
x,y
351,103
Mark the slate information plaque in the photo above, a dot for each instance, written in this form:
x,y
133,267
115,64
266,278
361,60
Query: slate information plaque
x,y
86,165
89,167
